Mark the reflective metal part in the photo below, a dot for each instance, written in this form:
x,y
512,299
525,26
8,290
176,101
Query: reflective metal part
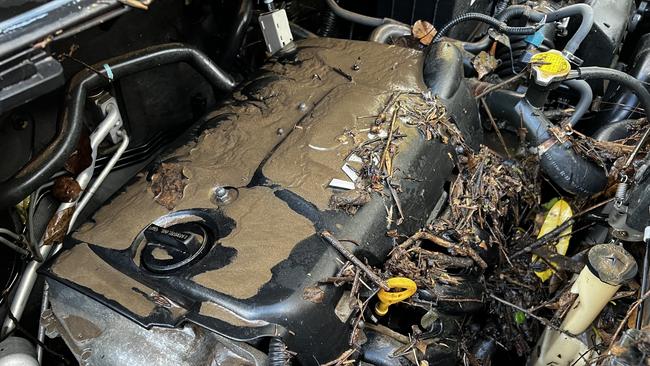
x,y
111,121
41,329
16,351
99,336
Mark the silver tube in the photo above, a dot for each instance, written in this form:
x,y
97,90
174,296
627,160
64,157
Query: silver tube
x,y
388,31
26,284
100,179
41,328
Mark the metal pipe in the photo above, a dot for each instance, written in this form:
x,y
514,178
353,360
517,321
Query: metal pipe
x,y
89,193
41,328
641,312
26,284
389,31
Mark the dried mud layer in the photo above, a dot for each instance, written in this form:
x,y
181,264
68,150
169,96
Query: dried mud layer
x,y
297,130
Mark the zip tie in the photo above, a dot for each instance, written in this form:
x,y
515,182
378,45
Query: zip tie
x,y
109,72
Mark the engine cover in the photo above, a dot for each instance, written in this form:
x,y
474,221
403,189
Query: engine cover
x,y
223,232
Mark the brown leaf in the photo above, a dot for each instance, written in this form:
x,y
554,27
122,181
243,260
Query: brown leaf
x,y
168,184
484,64
424,31
81,158
313,294
66,189
58,226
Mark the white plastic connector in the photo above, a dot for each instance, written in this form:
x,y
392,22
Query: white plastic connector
x,y
276,30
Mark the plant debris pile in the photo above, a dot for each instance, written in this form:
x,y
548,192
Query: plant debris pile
x,y
478,262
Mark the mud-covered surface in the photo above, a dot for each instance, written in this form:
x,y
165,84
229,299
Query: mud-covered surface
x,y
270,232
84,268
294,125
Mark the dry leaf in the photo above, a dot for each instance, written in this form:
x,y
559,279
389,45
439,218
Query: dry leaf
x,y
484,64
424,31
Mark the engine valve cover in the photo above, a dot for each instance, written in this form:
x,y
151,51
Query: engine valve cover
x,y
224,231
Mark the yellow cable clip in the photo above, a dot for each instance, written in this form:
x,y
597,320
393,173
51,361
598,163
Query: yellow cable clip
x,y
387,298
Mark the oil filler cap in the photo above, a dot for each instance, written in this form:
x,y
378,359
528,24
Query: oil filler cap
x,y
549,67
169,249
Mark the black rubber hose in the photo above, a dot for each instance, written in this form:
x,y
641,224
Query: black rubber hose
x,y
493,22
603,73
572,172
277,352
566,168
237,31
300,32
586,12
354,17
622,104
509,13
586,96
615,130
53,157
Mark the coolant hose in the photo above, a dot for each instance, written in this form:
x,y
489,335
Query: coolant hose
x,y
480,17
586,12
603,73
584,102
559,161
277,352
355,17
622,104
40,169
615,130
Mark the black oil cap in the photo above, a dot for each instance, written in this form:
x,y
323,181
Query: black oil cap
x,y
171,248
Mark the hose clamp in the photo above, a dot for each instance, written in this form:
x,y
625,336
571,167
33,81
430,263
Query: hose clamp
x,y
572,58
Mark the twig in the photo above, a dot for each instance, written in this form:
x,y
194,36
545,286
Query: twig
x,y
384,155
553,234
356,261
500,85
464,251
629,313
536,317
496,128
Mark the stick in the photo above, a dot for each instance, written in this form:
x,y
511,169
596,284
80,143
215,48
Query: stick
x,y
552,235
496,129
538,318
356,261
464,251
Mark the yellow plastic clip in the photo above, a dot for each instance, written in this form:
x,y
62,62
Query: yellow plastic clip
x,y
406,289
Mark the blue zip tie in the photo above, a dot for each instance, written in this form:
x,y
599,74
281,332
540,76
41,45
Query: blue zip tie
x,y
109,72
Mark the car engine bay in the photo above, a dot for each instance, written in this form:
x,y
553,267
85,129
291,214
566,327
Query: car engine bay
x,y
324,182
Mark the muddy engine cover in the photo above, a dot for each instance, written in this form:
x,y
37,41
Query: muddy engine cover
x,y
245,262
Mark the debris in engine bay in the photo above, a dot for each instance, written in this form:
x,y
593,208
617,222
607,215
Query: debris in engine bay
x,y
471,254
423,31
168,184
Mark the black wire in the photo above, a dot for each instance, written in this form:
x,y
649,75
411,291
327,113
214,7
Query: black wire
x,y
20,328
